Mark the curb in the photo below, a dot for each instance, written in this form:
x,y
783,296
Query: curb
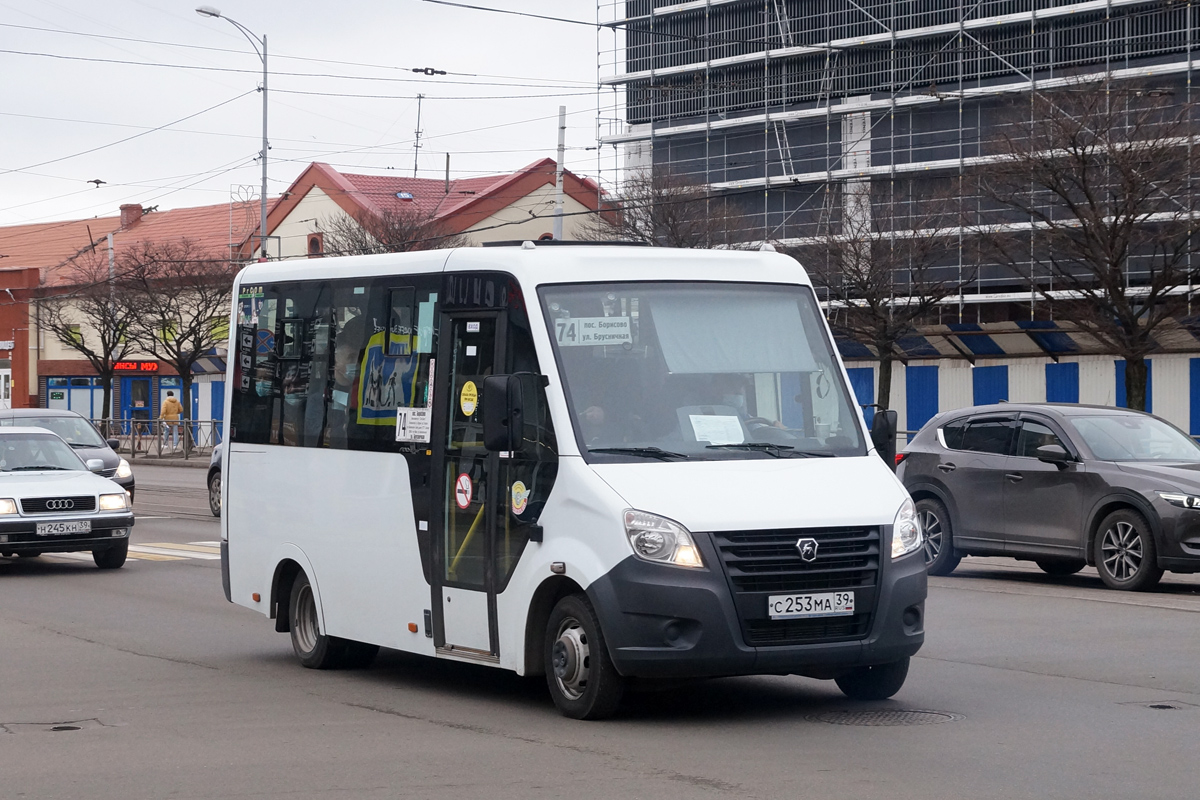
x,y
194,463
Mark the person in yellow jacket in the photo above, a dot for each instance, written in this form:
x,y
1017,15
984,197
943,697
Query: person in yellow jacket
x,y
172,409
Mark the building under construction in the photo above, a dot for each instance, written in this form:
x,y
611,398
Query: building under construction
x,y
788,110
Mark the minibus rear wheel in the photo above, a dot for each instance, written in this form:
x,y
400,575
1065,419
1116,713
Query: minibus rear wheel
x,y
314,649
877,682
581,676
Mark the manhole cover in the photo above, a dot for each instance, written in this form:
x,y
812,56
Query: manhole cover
x,y
882,718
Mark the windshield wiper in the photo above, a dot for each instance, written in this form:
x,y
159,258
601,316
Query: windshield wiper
x,y
80,444
37,466
776,450
647,452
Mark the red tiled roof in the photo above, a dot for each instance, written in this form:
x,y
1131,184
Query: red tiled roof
x,y
48,244
216,230
469,201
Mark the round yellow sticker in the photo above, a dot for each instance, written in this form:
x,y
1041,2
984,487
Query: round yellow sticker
x,y
468,398
520,498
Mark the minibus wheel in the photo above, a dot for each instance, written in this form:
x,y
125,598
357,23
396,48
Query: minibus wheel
x,y
877,682
314,649
581,676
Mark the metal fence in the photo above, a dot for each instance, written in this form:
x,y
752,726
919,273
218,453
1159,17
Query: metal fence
x,y
156,438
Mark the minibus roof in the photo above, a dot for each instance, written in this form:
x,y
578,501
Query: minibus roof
x,y
535,265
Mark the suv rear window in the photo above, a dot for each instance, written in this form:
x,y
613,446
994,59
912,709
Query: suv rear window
x,y
988,436
952,433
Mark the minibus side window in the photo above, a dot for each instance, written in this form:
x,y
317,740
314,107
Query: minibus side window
x,y
327,363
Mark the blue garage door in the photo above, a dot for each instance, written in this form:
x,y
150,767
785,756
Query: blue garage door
x,y
1062,383
862,381
989,384
922,395
1149,384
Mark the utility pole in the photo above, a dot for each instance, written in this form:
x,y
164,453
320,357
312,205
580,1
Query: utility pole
x,y
417,137
447,173
558,173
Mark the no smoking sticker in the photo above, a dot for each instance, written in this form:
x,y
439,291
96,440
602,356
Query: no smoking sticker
x,y
468,398
462,491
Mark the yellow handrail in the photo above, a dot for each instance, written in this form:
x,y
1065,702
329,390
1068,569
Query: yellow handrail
x,y
466,541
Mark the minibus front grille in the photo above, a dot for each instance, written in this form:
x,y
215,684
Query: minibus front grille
x,y
769,560
762,563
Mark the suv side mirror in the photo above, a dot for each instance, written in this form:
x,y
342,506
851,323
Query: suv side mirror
x,y
1054,454
503,413
95,465
114,443
883,435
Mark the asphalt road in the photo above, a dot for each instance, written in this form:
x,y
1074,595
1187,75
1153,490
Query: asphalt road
x,y
1041,687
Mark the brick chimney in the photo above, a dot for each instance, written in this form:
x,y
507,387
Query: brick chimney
x,y
130,213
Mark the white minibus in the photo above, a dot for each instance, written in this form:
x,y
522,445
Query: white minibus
x,y
593,463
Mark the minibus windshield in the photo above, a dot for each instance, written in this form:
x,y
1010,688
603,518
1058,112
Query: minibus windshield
x,y
699,371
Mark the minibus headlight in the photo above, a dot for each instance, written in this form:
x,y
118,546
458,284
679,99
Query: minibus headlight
x,y
124,470
658,539
906,530
114,502
8,506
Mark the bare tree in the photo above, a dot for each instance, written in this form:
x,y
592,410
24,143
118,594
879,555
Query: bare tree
x,y
182,296
1099,183
388,232
93,317
884,272
666,210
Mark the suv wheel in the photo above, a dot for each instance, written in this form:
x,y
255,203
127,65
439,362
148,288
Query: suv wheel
x,y
1126,557
214,493
940,556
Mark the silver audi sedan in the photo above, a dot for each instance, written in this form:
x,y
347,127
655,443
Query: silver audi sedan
x,y
53,502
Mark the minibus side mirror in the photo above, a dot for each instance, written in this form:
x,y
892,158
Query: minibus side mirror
x,y
503,413
883,434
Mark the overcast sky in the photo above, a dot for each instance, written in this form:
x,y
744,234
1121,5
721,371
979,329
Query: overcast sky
x,y
62,95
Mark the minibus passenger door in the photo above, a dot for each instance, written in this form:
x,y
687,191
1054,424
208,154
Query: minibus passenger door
x,y
464,585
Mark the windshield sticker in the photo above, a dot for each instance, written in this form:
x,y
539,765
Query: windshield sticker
x,y
717,429
468,399
591,331
462,491
520,498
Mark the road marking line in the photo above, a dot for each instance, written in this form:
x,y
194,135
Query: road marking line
x,y
154,556
150,550
210,544
192,548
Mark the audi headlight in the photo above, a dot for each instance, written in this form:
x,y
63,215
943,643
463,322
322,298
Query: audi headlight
x,y
114,502
8,506
124,470
658,539
906,530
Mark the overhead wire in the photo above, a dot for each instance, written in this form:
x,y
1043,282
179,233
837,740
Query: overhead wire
x,y
126,139
310,59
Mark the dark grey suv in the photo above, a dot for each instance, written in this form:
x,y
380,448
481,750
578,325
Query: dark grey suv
x,y
1061,485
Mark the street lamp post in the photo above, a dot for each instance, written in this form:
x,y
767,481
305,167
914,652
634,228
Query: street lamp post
x,y
260,47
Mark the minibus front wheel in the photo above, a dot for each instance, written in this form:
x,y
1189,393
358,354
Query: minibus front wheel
x,y
877,682
581,676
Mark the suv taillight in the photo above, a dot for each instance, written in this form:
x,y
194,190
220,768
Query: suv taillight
x,y
900,457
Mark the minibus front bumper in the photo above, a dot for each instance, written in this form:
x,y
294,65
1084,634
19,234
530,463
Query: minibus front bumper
x,y
672,622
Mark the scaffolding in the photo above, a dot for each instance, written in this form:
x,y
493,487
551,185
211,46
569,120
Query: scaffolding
x,y
790,109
